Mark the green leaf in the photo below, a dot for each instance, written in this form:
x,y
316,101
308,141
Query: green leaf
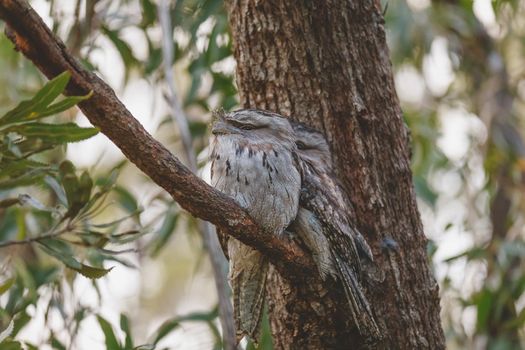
x,y
10,345
484,301
30,346
111,340
31,178
69,180
28,109
78,191
57,189
145,347
122,47
93,272
56,133
94,238
474,253
149,13
61,251
115,222
4,286
165,329
126,199
64,253
165,231
168,326
22,319
85,187
19,167
124,325
424,191
7,332
63,105
56,344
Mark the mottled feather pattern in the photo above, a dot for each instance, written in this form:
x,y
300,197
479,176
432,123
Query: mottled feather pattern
x,y
253,161
260,179
323,223
284,176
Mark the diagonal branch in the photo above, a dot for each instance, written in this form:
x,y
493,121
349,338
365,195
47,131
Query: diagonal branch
x,y
104,110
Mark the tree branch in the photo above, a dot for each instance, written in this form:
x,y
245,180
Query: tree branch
x,y
104,110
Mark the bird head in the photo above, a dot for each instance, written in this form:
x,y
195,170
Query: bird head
x,y
312,146
254,126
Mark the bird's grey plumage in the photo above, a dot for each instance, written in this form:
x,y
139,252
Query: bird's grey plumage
x,y
323,224
253,161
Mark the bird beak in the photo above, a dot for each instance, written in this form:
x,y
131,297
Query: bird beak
x,y
220,127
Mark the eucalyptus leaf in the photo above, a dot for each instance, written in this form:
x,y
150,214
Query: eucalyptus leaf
x,y
111,340
56,133
124,325
61,251
29,109
93,272
5,285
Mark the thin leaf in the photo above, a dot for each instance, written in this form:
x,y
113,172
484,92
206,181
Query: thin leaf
x,y
56,344
124,325
122,47
29,179
13,168
57,189
63,105
168,326
7,332
57,133
165,232
145,347
165,329
113,223
61,251
126,199
111,340
28,109
4,286
93,272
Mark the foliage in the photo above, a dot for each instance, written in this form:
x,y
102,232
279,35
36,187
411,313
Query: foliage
x,y
60,233
53,216
484,55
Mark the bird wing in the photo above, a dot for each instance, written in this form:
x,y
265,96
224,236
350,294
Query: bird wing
x,y
322,195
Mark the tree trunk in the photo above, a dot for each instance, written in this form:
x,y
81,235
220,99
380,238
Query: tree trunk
x,y
327,64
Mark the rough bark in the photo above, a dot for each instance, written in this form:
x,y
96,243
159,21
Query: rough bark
x,y
327,64
104,110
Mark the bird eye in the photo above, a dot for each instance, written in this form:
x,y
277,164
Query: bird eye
x,y
247,127
242,126
300,144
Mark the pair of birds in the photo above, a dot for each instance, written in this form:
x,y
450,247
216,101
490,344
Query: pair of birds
x,y
281,173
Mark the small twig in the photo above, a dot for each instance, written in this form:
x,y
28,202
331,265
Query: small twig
x,y
178,114
118,252
9,243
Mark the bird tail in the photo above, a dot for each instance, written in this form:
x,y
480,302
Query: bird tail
x,y
248,272
359,306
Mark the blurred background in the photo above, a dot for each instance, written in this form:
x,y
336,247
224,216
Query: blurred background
x,y
459,71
